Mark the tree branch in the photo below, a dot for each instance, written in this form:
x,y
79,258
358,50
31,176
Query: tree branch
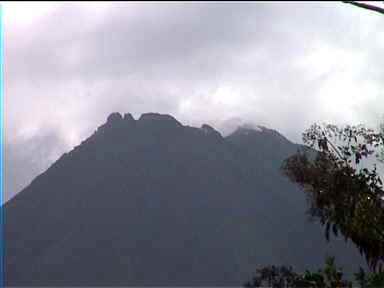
x,y
366,6
336,150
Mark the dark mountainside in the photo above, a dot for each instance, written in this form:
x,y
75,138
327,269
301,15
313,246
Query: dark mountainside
x,y
153,202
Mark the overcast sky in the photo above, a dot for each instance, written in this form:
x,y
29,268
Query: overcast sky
x,y
282,65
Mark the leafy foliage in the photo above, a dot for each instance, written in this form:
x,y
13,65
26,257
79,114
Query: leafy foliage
x,y
369,280
273,276
284,277
328,277
345,195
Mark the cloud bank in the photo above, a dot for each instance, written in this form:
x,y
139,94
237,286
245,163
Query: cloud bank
x,y
280,65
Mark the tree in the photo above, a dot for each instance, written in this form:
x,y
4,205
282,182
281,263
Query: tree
x,y
333,276
284,277
346,197
369,280
274,276
344,193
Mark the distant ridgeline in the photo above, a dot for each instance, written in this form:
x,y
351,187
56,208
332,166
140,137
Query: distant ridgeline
x,y
154,202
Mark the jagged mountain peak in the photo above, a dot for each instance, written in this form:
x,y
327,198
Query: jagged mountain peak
x,y
129,117
151,202
117,117
158,117
209,130
258,131
113,117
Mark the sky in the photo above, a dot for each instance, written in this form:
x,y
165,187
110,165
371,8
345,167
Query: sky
x,y
67,66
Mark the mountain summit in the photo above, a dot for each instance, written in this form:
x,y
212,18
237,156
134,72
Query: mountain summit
x,y
154,202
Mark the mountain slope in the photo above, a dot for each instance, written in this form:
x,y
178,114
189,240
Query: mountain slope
x,y
153,202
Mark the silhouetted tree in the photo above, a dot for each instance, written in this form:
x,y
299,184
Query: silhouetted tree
x,y
345,198
369,280
285,277
361,278
273,276
344,193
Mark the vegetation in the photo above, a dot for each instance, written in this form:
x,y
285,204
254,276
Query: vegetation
x,y
284,277
329,277
345,194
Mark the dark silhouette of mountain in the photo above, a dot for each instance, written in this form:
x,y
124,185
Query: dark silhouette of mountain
x,y
154,202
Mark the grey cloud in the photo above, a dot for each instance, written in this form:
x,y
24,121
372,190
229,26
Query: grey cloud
x,y
214,63
26,158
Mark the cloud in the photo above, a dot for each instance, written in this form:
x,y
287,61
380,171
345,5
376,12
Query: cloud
x,y
26,158
278,65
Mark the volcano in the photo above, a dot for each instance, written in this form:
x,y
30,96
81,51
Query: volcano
x,y
153,202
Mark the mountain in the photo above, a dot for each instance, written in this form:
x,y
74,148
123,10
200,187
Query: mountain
x,y
153,202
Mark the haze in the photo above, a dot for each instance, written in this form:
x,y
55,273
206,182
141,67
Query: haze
x,y
281,65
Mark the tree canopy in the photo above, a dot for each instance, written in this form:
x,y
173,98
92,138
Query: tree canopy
x,y
284,277
344,187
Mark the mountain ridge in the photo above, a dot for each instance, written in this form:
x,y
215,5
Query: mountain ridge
x,y
154,202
